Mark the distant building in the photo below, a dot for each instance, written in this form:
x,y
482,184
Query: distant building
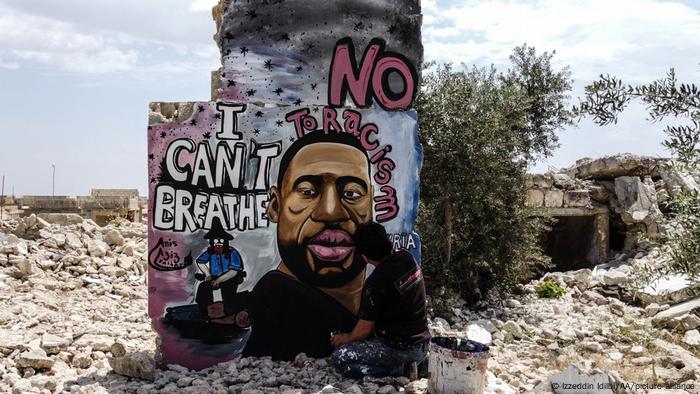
x,y
102,205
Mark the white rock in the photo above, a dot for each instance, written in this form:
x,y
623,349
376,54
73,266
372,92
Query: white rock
x,y
442,322
417,387
614,277
97,248
21,248
549,333
137,365
73,241
690,322
692,338
59,238
53,344
114,238
513,329
594,347
387,389
24,266
487,325
595,297
652,309
566,334
615,356
96,342
478,334
10,340
511,303
35,358
355,389
637,350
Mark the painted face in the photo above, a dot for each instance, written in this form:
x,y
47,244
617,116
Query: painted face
x,y
219,245
325,194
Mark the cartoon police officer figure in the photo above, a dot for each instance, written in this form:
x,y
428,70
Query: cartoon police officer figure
x,y
223,269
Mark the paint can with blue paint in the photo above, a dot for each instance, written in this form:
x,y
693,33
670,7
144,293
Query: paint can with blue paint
x,y
457,365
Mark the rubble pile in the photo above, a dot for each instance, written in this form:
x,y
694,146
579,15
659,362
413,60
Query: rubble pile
x,y
602,325
72,295
73,317
73,305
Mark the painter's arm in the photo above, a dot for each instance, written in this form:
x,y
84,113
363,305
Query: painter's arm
x,y
363,329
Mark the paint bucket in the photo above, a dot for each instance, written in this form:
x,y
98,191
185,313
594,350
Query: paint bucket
x,y
457,366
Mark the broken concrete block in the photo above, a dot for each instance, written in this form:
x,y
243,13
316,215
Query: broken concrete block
x,y
669,289
614,277
96,342
614,166
599,193
118,349
64,219
136,365
97,248
53,344
689,322
563,181
677,181
114,238
576,198
637,201
35,358
553,198
535,198
539,181
25,267
652,309
675,311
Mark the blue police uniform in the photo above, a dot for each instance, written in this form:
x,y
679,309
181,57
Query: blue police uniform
x,y
219,264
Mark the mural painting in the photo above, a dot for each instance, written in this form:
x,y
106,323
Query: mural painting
x,y
255,198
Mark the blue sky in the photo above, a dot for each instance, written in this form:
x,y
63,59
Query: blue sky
x,y
76,76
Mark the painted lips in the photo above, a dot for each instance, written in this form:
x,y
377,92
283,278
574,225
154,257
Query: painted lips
x,y
331,245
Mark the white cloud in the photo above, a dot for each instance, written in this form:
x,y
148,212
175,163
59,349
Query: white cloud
x,y
202,5
586,34
9,65
80,37
442,31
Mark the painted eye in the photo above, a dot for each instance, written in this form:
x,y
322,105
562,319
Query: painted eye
x,y
307,192
306,189
351,194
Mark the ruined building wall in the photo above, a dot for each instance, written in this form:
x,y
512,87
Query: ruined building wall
x,y
623,194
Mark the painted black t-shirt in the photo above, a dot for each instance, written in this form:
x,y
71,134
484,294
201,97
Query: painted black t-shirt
x,y
289,317
394,298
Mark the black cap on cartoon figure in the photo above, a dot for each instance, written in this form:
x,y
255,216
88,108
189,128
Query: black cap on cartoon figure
x,y
217,231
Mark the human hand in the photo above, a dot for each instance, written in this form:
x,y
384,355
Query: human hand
x,y
338,340
215,283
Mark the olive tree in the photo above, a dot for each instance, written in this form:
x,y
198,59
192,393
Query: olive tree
x,y
480,130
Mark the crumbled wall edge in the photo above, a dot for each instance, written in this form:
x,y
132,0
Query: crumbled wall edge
x,y
169,112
